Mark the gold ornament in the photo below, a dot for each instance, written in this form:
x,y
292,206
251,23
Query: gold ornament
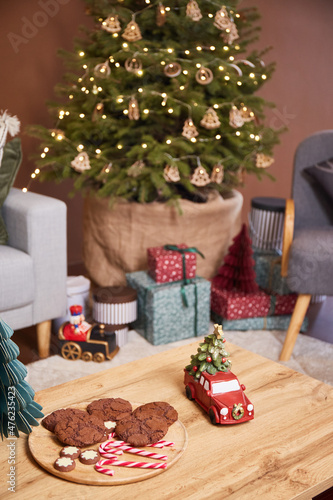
x,y
217,174
200,177
81,162
133,109
263,161
247,114
111,24
133,65
102,70
221,19
218,332
193,11
171,173
136,169
160,15
210,119
236,119
98,111
172,69
189,129
204,76
231,34
132,32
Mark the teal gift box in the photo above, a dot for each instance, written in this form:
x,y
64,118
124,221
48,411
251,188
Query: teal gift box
x,y
263,323
163,315
268,272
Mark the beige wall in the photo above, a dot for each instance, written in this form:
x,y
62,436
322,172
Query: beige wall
x,y
299,31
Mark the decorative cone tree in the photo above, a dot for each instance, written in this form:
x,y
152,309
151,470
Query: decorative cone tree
x,y
143,75
17,407
211,356
237,272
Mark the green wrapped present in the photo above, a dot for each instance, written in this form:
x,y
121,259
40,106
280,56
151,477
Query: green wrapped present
x,y
169,312
263,323
268,272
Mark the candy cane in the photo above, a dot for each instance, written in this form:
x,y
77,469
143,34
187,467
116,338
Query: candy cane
x,y
136,451
124,463
102,470
103,449
161,444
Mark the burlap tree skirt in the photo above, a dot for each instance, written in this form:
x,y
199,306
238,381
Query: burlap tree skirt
x,y
116,240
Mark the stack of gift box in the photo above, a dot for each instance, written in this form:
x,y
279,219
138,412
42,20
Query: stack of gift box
x,y
267,307
173,303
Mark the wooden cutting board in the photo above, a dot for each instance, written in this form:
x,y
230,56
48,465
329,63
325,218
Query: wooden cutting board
x,y
45,449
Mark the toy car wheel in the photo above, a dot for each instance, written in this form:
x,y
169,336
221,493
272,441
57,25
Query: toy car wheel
x,y
99,357
87,356
71,350
188,393
212,417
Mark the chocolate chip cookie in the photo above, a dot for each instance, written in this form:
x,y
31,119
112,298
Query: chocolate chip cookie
x,y
110,409
140,432
81,430
159,408
51,420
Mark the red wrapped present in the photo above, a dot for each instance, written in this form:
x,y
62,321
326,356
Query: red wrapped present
x,y
232,304
282,304
166,264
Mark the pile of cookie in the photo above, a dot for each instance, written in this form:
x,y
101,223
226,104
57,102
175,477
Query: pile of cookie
x,y
76,428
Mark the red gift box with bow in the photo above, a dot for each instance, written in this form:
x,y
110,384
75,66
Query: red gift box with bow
x,y
165,264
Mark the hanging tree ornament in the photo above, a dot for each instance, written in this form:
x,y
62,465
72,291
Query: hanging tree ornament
x,y
172,69
236,119
81,162
133,65
133,109
189,129
221,19
263,161
247,114
231,34
217,173
160,15
193,11
102,70
171,173
210,119
200,177
136,169
132,32
204,76
111,24
98,111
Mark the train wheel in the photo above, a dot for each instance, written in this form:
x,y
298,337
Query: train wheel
x,y
87,356
71,350
99,357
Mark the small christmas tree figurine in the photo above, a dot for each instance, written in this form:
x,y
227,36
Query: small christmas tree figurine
x,y
211,356
17,408
237,272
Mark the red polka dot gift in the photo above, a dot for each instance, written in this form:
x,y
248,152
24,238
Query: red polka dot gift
x,y
170,263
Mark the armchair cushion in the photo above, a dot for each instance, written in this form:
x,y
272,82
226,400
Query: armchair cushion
x,y
10,164
310,267
17,278
322,173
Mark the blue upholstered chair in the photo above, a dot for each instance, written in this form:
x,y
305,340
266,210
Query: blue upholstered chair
x,y
307,259
33,265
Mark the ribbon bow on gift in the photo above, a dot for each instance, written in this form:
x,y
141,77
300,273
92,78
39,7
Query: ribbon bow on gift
x,y
183,252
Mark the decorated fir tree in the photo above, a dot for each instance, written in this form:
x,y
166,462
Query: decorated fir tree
x,y
211,356
17,408
161,102
237,271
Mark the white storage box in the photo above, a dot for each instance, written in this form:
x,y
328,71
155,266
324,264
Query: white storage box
x,y
266,221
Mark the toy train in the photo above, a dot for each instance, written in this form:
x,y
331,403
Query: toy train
x,y
81,340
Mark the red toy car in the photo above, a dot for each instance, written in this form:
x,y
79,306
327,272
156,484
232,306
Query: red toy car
x,y
221,396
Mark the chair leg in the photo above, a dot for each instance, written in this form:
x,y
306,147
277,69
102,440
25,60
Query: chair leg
x,y
296,321
44,338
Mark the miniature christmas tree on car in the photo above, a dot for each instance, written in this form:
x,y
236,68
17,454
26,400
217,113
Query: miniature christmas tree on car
x,y
209,381
17,407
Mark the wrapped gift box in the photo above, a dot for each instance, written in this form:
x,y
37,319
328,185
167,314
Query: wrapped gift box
x,y
268,272
166,266
237,305
263,323
162,314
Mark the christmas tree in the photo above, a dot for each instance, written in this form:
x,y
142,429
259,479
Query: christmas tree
x,y
237,272
161,103
17,408
211,355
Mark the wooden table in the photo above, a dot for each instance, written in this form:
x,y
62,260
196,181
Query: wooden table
x,y
284,453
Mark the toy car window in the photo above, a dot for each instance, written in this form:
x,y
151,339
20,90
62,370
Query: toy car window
x,y
201,380
206,386
228,386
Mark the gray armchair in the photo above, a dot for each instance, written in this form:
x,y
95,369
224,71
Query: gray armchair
x,y
307,254
33,265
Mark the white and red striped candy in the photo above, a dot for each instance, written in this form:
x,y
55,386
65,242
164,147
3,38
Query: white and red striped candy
x,y
126,463
103,470
135,451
